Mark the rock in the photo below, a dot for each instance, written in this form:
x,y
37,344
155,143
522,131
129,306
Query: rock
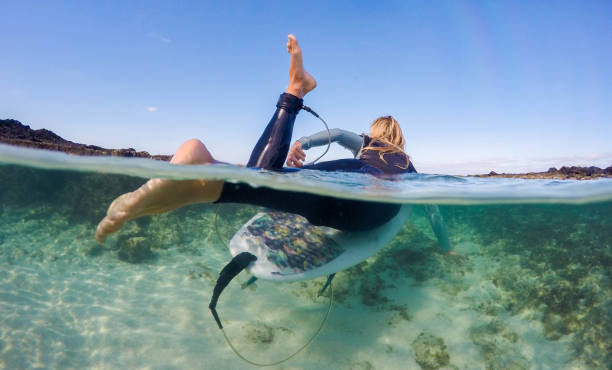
x,y
135,250
13,132
259,332
498,346
430,351
564,170
371,291
563,173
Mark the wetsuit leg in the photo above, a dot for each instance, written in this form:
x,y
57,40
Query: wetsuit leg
x,y
272,147
320,210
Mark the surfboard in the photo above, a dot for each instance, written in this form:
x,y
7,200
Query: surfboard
x,y
289,248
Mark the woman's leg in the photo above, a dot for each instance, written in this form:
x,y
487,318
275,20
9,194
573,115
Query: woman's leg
x,y
300,81
272,147
320,210
163,195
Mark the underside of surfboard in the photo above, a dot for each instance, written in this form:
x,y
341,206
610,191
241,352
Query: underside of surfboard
x,y
289,248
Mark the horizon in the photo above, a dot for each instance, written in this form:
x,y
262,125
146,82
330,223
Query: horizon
x,y
504,87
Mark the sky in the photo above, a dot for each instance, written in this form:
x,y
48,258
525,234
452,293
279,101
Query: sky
x,y
508,86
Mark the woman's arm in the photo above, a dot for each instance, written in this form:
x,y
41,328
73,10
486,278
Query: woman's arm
x,y
347,139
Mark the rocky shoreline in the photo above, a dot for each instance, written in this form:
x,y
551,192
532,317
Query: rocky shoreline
x,y
13,132
563,173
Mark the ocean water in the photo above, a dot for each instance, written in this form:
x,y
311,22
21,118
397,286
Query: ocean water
x,y
528,286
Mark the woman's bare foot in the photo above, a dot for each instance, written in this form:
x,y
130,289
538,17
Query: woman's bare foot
x,y
156,196
300,81
162,195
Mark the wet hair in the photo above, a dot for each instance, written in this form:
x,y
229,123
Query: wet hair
x,y
386,130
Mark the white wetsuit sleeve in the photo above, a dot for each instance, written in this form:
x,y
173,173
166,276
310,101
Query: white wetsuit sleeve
x,y
347,139
438,226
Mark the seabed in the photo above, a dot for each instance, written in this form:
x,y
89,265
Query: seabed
x,y
529,288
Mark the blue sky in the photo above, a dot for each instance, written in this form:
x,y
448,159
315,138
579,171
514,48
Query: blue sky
x,y
476,85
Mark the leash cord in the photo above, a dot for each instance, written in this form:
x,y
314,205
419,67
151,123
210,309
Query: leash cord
x,y
331,299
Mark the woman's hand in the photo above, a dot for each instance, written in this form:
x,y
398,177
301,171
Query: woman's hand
x,y
296,155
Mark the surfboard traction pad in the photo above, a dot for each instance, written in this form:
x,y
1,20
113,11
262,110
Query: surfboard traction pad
x,y
292,243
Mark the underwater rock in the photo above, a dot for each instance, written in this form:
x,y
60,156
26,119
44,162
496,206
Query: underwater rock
x,y
430,351
92,250
259,332
203,272
416,262
164,232
556,262
498,346
88,195
592,341
135,250
83,196
400,314
371,290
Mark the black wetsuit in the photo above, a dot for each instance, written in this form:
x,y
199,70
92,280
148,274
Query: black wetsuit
x,y
270,153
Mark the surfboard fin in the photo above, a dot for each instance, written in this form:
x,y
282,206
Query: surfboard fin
x,y
324,288
237,264
249,282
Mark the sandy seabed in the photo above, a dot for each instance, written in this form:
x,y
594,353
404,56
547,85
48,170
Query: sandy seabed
x,y
529,288
141,301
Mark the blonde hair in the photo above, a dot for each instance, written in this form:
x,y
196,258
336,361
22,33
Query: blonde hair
x,y
386,130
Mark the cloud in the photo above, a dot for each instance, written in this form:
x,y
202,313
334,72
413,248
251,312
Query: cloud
x,y
152,109
160,38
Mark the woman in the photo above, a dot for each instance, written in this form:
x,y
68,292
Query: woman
x,y
270,152
382,150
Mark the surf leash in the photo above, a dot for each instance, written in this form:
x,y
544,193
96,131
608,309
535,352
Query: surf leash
x,y
312,338
215,223
236,265
309,110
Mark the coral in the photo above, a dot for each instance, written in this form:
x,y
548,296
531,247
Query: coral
x,y
135,250
371,290
430,351
498,346
555,260
400,313
83,196
203,272
258,332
